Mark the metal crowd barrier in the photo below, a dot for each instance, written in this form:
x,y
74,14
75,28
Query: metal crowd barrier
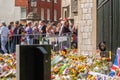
x,y
57,42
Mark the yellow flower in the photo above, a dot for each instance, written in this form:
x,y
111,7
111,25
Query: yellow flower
x,y
14,68
74,58
9,61
63,53
79,67
103,58
56,70
93,78
82,58
14,79
74,71
73,75
89,77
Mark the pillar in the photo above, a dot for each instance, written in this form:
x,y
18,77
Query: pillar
x,y
87,26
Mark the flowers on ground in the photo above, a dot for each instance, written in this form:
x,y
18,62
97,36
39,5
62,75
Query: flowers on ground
x,y
71,65
7,67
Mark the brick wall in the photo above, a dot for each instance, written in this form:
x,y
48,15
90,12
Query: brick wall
x,y
22,3
48,5
58,8
42,4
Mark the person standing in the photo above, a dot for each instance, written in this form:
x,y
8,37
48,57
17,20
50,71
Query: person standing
x,y
42,28
15,37
65,29
10,28
36,33
29,33
4,32
50,32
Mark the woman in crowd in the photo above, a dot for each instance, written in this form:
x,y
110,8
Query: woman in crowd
x,y
65,28
23,40
36,33
10,27
50,32
29,33
58,28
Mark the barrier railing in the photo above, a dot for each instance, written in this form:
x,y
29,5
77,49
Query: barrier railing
x,y
57,42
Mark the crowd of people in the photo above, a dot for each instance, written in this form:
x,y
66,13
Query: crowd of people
x,y
16,33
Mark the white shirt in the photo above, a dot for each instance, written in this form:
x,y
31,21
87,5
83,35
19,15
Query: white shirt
x,y
4,31
40,27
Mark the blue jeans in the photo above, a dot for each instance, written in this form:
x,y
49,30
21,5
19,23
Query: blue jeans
x,y
3,44
29,41
13,44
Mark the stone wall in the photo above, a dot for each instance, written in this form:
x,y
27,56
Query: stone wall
x,y
87,26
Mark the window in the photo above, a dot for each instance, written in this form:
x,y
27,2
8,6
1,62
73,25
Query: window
x,y
42,13
48,0
33,4
65,14
23,13
55,15
48,14
55,1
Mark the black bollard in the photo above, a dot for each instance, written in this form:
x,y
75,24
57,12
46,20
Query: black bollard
x,y
33,62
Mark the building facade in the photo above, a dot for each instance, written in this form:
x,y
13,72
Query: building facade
x,y
8,11
47,9
69,10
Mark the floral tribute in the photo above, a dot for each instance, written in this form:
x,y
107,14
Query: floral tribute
x,y
70,65
66,64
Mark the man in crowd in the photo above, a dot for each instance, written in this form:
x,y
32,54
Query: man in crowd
x,y
42,28
4,32
15,37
